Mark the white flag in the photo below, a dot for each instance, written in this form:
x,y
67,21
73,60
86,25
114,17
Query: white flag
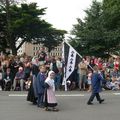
x,y
71,59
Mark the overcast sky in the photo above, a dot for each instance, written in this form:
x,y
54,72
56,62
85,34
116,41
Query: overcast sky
x,y
62,14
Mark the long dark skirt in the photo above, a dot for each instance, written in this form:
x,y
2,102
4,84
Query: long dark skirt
x,y
31,96
47,101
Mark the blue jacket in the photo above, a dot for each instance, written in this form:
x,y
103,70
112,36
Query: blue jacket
x,y
40,83
96,82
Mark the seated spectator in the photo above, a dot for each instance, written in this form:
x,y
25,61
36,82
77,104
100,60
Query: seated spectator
x,y
19,78
72,80
115,74
1,79
7,79
108,82
115,85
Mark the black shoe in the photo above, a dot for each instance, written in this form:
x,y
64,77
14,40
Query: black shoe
x,y
89,103
102,100
80,89
34,103
47,109
41,106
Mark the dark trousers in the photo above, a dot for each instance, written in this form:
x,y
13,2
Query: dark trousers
x,y
2,84
40,99
94,95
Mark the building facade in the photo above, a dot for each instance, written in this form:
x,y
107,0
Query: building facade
x,y
32,49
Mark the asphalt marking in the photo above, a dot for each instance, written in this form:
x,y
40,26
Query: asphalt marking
x,y
62,95
17,95
116,93
72,95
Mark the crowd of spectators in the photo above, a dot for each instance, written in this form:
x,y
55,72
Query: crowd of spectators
x,y
16,72
109,69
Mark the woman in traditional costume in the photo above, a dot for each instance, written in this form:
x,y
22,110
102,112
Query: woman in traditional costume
x,y
32,94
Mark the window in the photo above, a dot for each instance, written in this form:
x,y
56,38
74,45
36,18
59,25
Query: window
x,y
33,48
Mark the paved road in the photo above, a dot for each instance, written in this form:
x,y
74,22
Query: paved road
x,y
72,105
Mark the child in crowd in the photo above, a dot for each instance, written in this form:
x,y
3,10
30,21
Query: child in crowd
x,y
89,80
28,83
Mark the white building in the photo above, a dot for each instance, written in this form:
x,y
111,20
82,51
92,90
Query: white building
x,y
32,49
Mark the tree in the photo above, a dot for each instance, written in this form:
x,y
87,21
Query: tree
x,y
111,13
52,38
10,2
26,23
3,42
5,32
96,35
111,16
88,34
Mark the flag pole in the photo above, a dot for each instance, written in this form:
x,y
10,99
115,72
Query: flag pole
x,y
63,57
73,48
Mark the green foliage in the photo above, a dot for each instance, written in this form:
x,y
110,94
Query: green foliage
x,y
111,16
111,13
3,42
95,35
25,22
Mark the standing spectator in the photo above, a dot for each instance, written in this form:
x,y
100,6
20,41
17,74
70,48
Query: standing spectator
x,y
91,64
14,66
27,69
4,63
59,74
116,63
53,65
96,86
83,74
42,56
56,66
